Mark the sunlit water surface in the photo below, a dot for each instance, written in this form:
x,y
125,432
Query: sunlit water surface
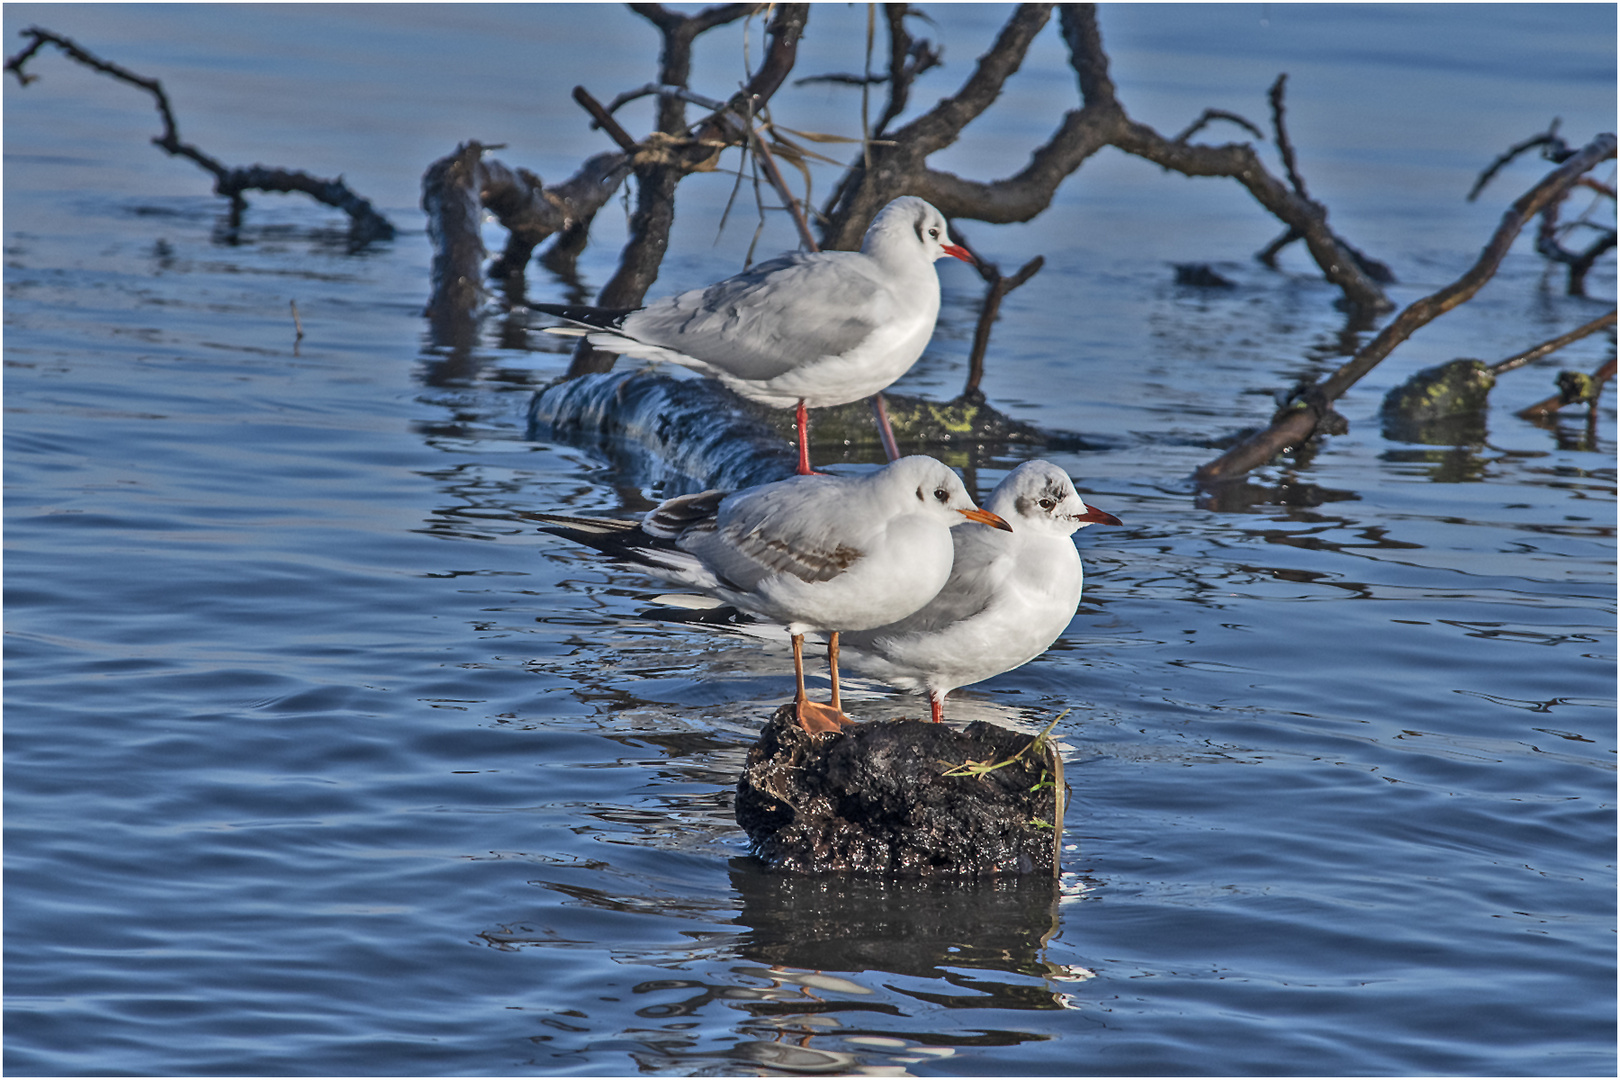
x,y
319,759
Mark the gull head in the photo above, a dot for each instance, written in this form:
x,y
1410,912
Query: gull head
x,y
1040,497
910,228
934,488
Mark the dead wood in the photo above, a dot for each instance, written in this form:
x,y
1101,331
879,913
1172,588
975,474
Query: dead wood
x,y
990,310
365,223
1445,404
1536,352
901,167
1573,387
663,162
1549,236
1298,420
458,188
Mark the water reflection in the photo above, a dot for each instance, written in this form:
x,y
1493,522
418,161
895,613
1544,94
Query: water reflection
x,y
902,927
822,974
1239,496
1457,465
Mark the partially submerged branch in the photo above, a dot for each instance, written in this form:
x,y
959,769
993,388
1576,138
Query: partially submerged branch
x,y
1548,347
1574,387
1299,420
989,311
456,190
366,224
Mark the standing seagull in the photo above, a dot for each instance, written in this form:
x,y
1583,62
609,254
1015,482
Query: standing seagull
x,y
813,552
1009,595
803,329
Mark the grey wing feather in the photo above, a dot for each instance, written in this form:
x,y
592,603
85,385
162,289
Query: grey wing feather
x,y
674,517
776,317
754,540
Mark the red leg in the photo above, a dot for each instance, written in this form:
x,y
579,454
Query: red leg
x,y
936,703
891,449
803,420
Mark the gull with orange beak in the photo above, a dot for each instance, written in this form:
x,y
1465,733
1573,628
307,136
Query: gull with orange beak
x,y
820,552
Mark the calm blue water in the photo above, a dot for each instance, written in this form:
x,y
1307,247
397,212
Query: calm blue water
x,y
320,760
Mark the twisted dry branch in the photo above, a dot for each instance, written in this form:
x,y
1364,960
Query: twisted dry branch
x,y
366,224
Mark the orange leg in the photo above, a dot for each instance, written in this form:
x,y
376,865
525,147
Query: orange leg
x,y
832,663
814,717
799,696
936,705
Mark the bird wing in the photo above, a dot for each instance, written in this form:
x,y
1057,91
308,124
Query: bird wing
x,y
754,538
778,316
653,551
672,518
584,315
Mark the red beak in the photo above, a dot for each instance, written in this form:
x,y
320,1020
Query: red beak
x,y
1096,517
956,252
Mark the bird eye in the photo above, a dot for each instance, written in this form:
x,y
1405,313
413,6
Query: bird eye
x,y
942,495
933,234
1047,504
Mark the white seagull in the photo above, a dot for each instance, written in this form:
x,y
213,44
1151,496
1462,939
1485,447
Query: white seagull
x,y
819,552
805,329
1009,596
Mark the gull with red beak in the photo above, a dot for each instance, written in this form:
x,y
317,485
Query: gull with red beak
x,y
802,330
1009,596
818,552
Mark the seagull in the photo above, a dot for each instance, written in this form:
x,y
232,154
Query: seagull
x,y
1009,596
802,330
817,552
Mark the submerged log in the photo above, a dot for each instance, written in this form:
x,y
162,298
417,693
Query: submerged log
x,y
906,797
701,430
691,427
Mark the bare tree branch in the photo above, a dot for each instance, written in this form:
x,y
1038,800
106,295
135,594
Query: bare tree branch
x,y
1556,150
1547,347
897,168
656,179
1209,117
366,223
989,311
1101,121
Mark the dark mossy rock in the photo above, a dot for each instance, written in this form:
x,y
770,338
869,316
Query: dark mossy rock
x,y
920,425
874,798
1440,406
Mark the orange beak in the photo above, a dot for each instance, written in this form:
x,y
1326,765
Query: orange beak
x,y
985,517
959,253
